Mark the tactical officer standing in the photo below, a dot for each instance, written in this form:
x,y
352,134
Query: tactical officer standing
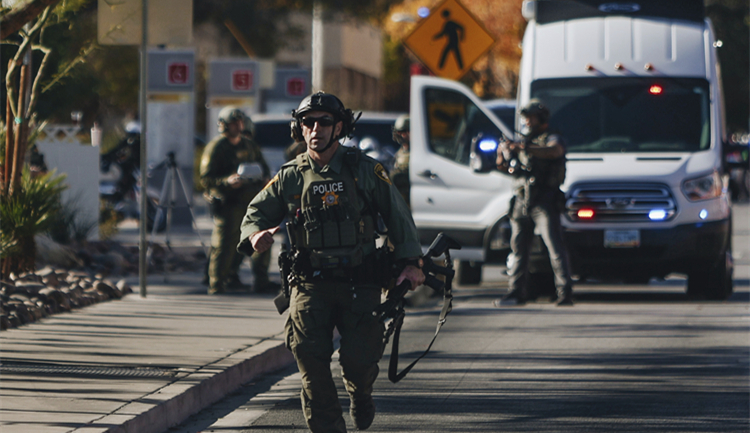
x,y
331,195
229,194
400,171
538,164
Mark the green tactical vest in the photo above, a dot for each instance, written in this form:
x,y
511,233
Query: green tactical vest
x,y
333,232
544,172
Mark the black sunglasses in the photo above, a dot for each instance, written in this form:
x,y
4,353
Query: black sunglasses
x,y
322,121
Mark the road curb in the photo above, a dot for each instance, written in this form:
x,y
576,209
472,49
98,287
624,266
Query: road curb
x,y
193,392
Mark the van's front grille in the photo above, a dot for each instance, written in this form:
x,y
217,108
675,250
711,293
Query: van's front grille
x,y
620,203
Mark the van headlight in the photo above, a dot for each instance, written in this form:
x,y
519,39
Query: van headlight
x,y
703,188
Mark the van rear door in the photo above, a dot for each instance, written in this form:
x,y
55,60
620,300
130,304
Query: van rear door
x,y
446,194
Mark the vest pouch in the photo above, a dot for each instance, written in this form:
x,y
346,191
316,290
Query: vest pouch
x,y
347,233
330,234
366,229
313,229
337,257
314,239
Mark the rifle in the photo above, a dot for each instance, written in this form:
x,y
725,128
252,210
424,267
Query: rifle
x,y
286,263
393,307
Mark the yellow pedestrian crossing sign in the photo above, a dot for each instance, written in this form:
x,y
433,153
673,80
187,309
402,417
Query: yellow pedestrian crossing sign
x,y
449,40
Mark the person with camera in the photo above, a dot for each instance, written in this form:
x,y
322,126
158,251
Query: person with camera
x,y
538,165
332,196
229,193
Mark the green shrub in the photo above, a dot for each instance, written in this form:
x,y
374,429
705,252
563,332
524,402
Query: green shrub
x,y
24,213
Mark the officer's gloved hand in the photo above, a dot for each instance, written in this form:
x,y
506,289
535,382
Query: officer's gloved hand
x,y
413,274
263,240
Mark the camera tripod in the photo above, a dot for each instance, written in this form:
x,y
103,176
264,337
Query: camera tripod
x,y
167,203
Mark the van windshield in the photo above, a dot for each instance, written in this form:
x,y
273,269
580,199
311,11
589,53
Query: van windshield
x,y
631,114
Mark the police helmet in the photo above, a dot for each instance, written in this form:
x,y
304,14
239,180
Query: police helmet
x,y
249,126
228,115
401,124
535,107
328,103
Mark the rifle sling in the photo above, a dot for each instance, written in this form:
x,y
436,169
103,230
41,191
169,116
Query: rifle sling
x,y
393,374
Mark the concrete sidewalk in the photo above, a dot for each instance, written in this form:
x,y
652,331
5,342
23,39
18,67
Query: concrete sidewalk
x,y
137,364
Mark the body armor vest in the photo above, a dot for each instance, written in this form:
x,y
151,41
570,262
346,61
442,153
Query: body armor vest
x,y
543,172
330,227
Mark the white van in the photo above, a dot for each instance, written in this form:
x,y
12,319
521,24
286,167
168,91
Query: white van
x,y
635,90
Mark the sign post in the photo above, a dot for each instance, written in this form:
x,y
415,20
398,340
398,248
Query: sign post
x,y
449,40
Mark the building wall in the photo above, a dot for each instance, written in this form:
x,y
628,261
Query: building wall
x,y
353,62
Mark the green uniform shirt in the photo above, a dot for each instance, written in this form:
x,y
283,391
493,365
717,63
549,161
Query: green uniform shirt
x,y
282,197
400,173
221,159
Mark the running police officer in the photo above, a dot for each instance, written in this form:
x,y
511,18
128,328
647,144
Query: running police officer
x,y
332,196
538,164
229,194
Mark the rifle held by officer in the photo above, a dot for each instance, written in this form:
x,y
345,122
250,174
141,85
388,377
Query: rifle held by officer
x,y
393,308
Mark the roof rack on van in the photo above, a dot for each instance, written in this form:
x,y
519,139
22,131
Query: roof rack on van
x,y
547,11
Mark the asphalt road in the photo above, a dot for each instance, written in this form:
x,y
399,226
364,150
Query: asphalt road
x,y
625,358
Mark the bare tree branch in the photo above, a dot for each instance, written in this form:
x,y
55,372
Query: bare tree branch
x,y
14,20
17,61
35,87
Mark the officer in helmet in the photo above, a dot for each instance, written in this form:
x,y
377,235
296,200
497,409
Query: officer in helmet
x,y
400,171
229,194
538,165
332,195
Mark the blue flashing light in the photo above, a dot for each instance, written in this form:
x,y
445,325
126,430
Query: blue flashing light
x,y
657,214
488,145
423,12
703,214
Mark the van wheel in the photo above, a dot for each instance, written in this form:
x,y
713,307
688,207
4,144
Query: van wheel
x,y
715,283
469,273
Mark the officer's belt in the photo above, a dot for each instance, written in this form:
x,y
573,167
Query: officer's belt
x,y
361,274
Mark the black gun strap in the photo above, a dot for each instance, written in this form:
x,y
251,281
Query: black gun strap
x,y
393,374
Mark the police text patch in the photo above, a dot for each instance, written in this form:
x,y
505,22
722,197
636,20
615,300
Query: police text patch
x,y
328,192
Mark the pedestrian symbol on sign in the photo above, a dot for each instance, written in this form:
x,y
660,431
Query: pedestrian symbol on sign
x,y
449,40
454,32
177,73
242,80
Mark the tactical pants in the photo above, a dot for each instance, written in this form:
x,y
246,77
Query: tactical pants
x,y
224,240
315,310
544,215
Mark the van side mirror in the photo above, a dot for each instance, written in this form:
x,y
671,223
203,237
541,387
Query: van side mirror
x,y
483,153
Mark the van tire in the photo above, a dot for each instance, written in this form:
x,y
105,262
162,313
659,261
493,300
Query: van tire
x,y
713,284
469,273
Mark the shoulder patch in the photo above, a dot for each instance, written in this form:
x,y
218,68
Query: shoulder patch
x,y
381,173
272,181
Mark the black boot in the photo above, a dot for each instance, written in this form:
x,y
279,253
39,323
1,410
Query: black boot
x,y
362,411
514,298
565,297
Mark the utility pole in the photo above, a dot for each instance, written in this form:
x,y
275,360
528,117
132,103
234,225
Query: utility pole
x,y
142,102
318,68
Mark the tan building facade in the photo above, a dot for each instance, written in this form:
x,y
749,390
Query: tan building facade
x,y
353,59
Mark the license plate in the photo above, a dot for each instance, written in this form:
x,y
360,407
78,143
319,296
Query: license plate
x,y
622,238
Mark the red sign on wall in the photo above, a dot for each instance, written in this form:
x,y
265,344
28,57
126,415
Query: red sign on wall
x,y
295,87
178,73
242,80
